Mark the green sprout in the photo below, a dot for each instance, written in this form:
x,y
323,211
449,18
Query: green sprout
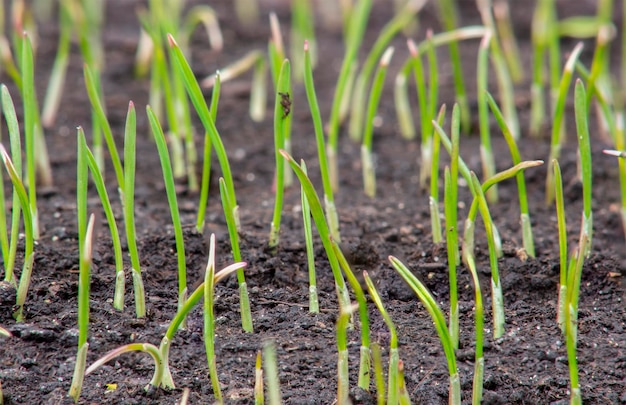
x,y
282,127
562,227
259,397
329,200
343,380
168,178
83,283
314,305
584,149
378,374
302,29
271,373
440,324
433,200
486,152
504,25
367,161
29,239
358,114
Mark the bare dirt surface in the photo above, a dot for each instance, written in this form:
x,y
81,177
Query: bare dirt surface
x,y
528,365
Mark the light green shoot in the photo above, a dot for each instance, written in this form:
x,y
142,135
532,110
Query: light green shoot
x,y
497,300
620,145
302,29
584,148
378,374
9,254
120,282
433,200
206,160
394,356
559,113
329,199
259,396
271,373
151,349
403,394
440,324
129,210
254,60
358,117
354,35
367,161
170,189
562,227
195,94
527,232
314,305
244,301
323,230
29,240
209,320
486,152
343,378
83,287
365,360
282,126
504,25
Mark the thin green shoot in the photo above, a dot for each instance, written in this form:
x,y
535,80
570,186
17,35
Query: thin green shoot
x,y
314,306
170,189
365,359
486,152
195,94
527,232
29,240
93,92
276,48
282,126
255,61
31,119
244,300
322,227
167,381
394,355
129,209
599,64
120,282
358,114
403,394
584,149
259,396
302,29
354,36
401,97
83,287
440,324
270,368
206,159
329,199
433,200
367,160
504,25
8,109
209,320
152,350
379,377
343,378
558,119
205,15
562,227
448,14
497,300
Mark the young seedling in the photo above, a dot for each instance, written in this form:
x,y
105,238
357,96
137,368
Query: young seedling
x,y
343,380
394,355
562,227
367,161
282,126
584,150
302,29
433,200
9,248
259,397
323,230
559,113
206,160
504,25
440,324
329,200
120,282
354,35
85,249
29,240
365,360
486,152
271,373
358,114
378,374
209,320
310,252
170,189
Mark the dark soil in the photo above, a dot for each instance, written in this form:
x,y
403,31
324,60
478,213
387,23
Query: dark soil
x,y
528,365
